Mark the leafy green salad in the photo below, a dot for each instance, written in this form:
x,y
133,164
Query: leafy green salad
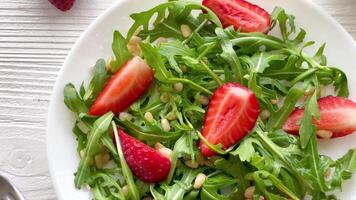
x,y
200,102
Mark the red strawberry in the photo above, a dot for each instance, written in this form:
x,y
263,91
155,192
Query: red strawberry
x,y
232,113
241,14
124,87
337,115
145,162
62,5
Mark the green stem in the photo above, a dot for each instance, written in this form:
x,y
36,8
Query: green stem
x,y
211,73
272,147
194,85
195,31
254,39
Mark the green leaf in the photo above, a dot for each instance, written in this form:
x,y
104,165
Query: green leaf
x,y
283,19
179,188
344,167
119,47
100,126
307,128
154,59
229,54
236,169
213,185
261,60
97,83
184,146
278,118
171,50
73,101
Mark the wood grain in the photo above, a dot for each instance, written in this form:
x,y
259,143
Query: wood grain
x,y
34,41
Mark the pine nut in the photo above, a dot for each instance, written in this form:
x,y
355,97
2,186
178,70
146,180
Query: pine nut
x,y
191,164
123,116
161,40
262,48
178,87
249,192
265,114
98,161
165,152
199,181
105,158
125,190
165,125
325,134
200,159
171,116
186,31
203,100
134,45
82,153
158,146
274,101
149,117
183,68
108,66
322,91
327,173
309,91
164,97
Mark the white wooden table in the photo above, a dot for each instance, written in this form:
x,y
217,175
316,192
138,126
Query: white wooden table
x,y
34,41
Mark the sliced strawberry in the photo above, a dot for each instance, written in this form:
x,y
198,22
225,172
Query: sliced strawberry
x,y
337,115
232,113
145,162
241,14
124,87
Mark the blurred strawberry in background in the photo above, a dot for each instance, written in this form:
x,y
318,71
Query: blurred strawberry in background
x,y
62,5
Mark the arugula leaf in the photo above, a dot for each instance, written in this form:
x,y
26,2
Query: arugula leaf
x,y
73,101
153,59
229,54
213,185
105,182
179,188
261,60
121,52
307,128
170,50
280,15
236,169
344,167
184,146
278,118
100,126
97,83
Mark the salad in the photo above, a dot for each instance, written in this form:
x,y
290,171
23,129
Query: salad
x,y
201,102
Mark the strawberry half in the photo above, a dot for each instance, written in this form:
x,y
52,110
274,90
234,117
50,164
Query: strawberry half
x,y
125,87
145,162
241,14
337,115
232,113
62,5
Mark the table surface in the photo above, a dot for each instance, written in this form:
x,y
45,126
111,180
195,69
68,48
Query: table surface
x,y
34,41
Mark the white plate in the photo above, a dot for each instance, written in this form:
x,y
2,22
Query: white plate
x,y
95,43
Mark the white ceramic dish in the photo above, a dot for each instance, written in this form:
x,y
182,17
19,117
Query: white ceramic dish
x,y
95,43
